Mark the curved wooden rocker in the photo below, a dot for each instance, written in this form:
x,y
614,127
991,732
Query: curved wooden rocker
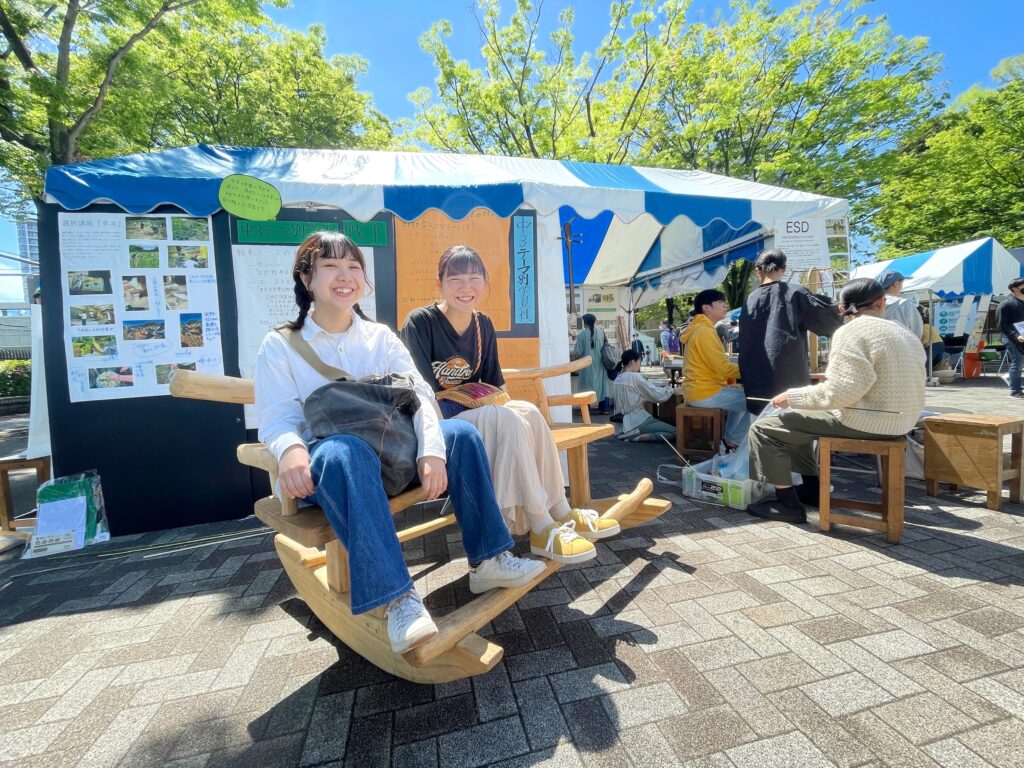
x,y
317,563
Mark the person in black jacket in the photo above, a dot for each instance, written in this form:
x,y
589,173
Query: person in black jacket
x,y
1010,319
774,322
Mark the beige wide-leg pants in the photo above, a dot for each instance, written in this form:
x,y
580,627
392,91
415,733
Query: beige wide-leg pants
x,y
527,474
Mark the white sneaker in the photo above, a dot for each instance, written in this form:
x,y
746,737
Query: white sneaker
x,y
505,570
409,622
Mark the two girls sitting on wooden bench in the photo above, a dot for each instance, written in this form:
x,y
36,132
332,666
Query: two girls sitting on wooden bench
x,y
453,345
342,474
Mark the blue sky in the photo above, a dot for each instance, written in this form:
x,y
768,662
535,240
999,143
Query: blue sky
x,y
972,37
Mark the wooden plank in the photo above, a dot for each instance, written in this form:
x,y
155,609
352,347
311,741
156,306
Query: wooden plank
x,y
572,435
859,522
308,528
415,531
256,455
452,627
579,476
337,567
518,374
974,419
210,386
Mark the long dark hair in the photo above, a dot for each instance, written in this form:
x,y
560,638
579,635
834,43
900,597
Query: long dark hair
x,y
627,357
771,260
315,248
859,294
589,320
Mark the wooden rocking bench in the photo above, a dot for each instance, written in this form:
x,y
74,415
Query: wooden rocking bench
x,y
317,562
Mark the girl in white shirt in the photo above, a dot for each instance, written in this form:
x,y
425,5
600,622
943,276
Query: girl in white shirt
x,y
632,390
342,473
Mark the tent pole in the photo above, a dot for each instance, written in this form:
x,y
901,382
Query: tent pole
x,y
931,326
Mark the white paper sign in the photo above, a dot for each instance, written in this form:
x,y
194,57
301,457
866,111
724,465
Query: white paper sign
x,y
804,242
266,297
140,299
58,519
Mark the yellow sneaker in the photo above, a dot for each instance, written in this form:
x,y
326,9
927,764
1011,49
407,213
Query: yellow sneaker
x,y
591,526
561,543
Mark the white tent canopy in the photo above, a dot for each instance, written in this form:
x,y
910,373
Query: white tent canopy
x,y
975,268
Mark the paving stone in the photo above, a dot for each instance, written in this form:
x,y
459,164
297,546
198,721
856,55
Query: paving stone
x,y
705,731
837,744
777,673
940,606
591,681
761,715
646,746
991,621
547,662
483,744
638,706
718,653
328,729
999,694
450,714
396,694
963,663
847,693
541,715
420,754
791,749
594,733
896,644
369,742
831,629
924,718
564,755
950,753
888,744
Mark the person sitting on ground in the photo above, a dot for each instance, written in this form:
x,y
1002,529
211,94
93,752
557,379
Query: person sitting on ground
x,y
873,389
453,344
632,390
342,473
897,308
774,322
707,370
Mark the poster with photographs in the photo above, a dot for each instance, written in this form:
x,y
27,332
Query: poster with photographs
x,y
804,242
140,294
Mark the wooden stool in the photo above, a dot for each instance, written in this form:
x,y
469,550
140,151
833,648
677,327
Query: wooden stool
x,y
700,425
42,468
967,449
892,454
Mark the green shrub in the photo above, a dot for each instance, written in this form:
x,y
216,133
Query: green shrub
x,y
15,378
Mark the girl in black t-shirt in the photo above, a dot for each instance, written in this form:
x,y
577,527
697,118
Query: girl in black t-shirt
x,y
453,344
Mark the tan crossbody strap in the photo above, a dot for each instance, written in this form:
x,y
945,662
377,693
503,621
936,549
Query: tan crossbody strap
x,y
306,352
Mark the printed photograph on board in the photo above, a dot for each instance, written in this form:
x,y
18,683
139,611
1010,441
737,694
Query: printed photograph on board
x,y
91,314
94,346
164,371
187,257
89,283
837,245
187,228
144,256
108,378
191,330
835,227
145,228
175,292
141,330
136,293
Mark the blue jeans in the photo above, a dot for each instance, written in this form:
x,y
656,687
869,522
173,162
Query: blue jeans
x,y
1016,365
348,489
734,403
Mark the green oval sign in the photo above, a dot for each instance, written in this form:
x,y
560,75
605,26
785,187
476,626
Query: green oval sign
x,y
249,198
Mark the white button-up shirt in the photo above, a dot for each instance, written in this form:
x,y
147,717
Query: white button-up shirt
x,y
283,381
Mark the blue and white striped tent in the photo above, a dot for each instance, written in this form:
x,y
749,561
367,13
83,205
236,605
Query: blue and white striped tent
x,y
975,268
644,225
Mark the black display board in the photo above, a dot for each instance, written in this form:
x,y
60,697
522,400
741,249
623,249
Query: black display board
x,y
163,462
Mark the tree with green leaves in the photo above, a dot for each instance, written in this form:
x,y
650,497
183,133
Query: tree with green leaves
x,y
809,97
84,80
963,177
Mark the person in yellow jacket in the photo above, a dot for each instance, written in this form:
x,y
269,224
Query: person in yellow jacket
x,y
707,372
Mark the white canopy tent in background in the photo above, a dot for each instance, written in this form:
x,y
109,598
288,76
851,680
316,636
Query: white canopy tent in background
x,y
975,268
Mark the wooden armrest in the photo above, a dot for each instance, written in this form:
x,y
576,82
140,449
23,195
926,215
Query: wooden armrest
x,y
522,374
576,399
210,386
257,455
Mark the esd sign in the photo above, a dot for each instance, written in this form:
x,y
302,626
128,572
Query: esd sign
x,y
797,227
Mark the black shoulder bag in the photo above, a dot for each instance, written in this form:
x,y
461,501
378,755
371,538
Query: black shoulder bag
x,y
378,410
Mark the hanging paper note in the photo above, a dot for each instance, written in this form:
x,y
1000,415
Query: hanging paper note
x,y
249,198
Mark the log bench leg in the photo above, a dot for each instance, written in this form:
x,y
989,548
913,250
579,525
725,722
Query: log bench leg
x,y
579,477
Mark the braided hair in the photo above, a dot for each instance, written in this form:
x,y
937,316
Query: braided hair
x,y
316,247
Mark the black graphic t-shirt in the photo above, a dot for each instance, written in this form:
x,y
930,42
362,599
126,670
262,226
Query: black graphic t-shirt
x,y
446,359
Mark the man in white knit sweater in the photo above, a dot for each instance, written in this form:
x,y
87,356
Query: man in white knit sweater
x,y
874,387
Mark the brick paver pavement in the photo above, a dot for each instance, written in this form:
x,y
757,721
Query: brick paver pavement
x,y
707,638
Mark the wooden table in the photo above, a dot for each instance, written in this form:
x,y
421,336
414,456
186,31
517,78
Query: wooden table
x,y
666,411
967,449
